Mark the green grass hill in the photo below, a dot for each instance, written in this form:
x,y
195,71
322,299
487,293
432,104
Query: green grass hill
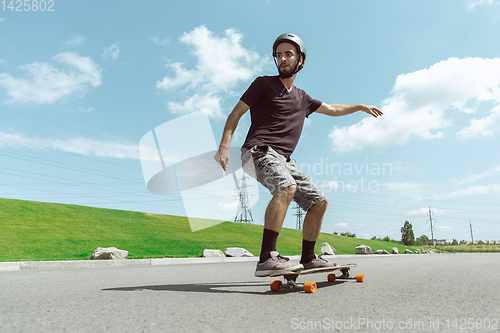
x,y
32,231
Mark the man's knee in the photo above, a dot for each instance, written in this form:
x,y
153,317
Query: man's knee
x,y
320,206
288,191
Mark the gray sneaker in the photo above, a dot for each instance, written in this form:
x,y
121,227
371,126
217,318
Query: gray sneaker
x,y
276,265
317,263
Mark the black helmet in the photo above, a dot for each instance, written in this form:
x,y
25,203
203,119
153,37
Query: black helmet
x,y
295,40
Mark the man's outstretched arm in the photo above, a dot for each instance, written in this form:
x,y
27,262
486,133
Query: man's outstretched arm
x,y
222,155
342,109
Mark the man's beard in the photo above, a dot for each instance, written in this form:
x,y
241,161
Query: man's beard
x,y
287,73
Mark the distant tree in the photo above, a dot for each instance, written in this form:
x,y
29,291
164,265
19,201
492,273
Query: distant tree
x,y
387,239
335,233
463,242
348,234
425,240
407,236
454,242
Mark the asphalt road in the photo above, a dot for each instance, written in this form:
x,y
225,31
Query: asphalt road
x,y
404,293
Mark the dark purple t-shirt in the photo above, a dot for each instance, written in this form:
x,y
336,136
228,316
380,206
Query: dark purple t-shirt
x,y
277,115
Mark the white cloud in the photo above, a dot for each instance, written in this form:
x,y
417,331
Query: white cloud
x,y
414,190
482,183
79,109
425,211
159,41
341,225
48,84
445,227
228,206
111,52
75,40
209,103
82,146
419,101
351,187
420,211
330,186
490,189
222,63
2,19
471,5
484,174
485,126
405,186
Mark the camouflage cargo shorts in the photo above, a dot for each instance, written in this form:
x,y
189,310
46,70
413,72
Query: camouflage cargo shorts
x,y
275,173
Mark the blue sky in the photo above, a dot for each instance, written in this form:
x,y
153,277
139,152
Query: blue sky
x,y
82,85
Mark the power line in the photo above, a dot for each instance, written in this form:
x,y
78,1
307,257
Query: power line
x,y
65,152
55,123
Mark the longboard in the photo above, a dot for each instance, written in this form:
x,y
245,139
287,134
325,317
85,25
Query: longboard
x,y
310,286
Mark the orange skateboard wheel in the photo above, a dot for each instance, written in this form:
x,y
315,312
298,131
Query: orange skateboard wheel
x,y
331,277
276,285
360,278
310,287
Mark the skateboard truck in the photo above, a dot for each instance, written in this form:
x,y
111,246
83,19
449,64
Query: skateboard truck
x,y
291,284
291,281
345,274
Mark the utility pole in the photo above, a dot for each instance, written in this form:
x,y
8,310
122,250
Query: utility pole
x,y
299,213
244,214
471,236
432,229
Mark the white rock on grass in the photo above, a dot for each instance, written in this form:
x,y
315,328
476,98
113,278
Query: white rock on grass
x,y
327,249
381,252
207,253
363,249
395,250
109,253
237,252
408,251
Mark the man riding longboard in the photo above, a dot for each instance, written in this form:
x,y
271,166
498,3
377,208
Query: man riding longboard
x,y
278,110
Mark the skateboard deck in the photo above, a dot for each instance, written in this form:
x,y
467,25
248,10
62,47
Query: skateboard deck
x,y
310,286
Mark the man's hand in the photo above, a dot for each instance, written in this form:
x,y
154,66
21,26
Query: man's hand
x,y
375,112
336,110
222,157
